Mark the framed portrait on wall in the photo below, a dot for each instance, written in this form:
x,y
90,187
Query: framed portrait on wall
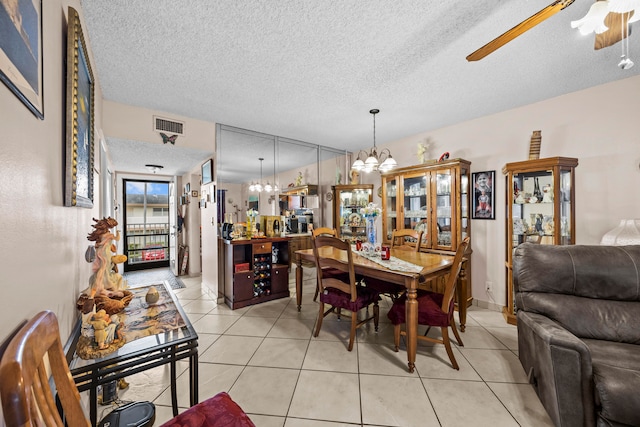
x,y
483,200
207,172
21,51
79,146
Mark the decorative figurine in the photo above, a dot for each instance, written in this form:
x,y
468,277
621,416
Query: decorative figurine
x,y
423,150
100,321
445,156
547,194
355,177
107,289
299,179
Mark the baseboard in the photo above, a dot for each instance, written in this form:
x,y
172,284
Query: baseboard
x,y
488,305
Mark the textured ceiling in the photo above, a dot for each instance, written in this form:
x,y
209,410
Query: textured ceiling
x,y
312,70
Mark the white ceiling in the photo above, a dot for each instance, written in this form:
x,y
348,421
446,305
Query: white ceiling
x,y
311,70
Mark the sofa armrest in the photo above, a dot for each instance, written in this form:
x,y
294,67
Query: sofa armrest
x,y
559,367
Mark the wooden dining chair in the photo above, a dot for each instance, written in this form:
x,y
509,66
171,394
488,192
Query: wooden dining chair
x,y
325,231
35,353
338,293
404,239
434,309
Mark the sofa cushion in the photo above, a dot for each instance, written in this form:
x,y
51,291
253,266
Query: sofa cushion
x,y
603,272
589,318
616,377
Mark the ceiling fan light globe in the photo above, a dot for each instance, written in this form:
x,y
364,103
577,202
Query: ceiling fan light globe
x,y
268,188
594,19
258,187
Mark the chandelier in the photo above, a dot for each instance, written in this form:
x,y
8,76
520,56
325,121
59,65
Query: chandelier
x,y
594,22
369,162
268,188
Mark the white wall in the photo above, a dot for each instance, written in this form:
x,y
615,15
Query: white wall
x,y
43,242
598,126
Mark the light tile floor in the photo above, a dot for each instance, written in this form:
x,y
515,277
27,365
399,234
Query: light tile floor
x,y
265,357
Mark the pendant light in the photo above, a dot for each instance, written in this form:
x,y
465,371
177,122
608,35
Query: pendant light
x,y
258,187
382,162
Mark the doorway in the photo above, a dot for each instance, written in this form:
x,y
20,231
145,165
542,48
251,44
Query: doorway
x,y
146,224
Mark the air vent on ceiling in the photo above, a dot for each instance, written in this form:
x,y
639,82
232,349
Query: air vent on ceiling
x,y
161,124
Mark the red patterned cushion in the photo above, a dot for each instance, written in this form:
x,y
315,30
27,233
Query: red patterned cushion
x,y
429,310
217,411
337,298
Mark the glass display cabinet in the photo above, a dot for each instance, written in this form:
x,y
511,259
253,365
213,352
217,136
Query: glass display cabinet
x,y
347,201
433,198
540,209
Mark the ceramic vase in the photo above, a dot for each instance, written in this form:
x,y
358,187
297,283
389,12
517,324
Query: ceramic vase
x,y
371,230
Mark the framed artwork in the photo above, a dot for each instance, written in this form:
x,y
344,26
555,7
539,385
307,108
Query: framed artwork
x,y
21,51
78,187
207,172
483,200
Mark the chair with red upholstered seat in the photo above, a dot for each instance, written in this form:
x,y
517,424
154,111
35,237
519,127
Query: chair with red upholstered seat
x,y
340,294
326,231
434,309
35,353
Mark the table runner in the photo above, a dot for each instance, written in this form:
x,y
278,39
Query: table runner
x,y
392,264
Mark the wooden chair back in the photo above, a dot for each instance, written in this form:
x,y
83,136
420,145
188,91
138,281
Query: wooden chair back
x,y
342,259
452,278
323,231
399,239
27,399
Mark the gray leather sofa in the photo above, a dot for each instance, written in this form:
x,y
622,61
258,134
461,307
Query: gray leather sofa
x,y
579,331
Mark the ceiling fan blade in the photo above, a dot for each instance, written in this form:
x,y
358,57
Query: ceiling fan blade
x,y
615,22
519,29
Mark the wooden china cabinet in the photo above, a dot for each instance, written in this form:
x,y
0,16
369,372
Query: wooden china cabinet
x,y
433,198
540,209
347,202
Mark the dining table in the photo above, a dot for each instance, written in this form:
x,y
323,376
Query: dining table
x,y
407,268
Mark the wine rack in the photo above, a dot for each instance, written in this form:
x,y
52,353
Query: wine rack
x,y
262,275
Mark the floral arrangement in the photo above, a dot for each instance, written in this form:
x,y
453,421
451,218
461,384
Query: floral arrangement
x,y
370,211
252,213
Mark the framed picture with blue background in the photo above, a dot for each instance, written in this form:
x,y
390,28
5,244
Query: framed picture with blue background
x,y
21,51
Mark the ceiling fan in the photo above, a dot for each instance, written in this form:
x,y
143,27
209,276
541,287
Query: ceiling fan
x,y
615,23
